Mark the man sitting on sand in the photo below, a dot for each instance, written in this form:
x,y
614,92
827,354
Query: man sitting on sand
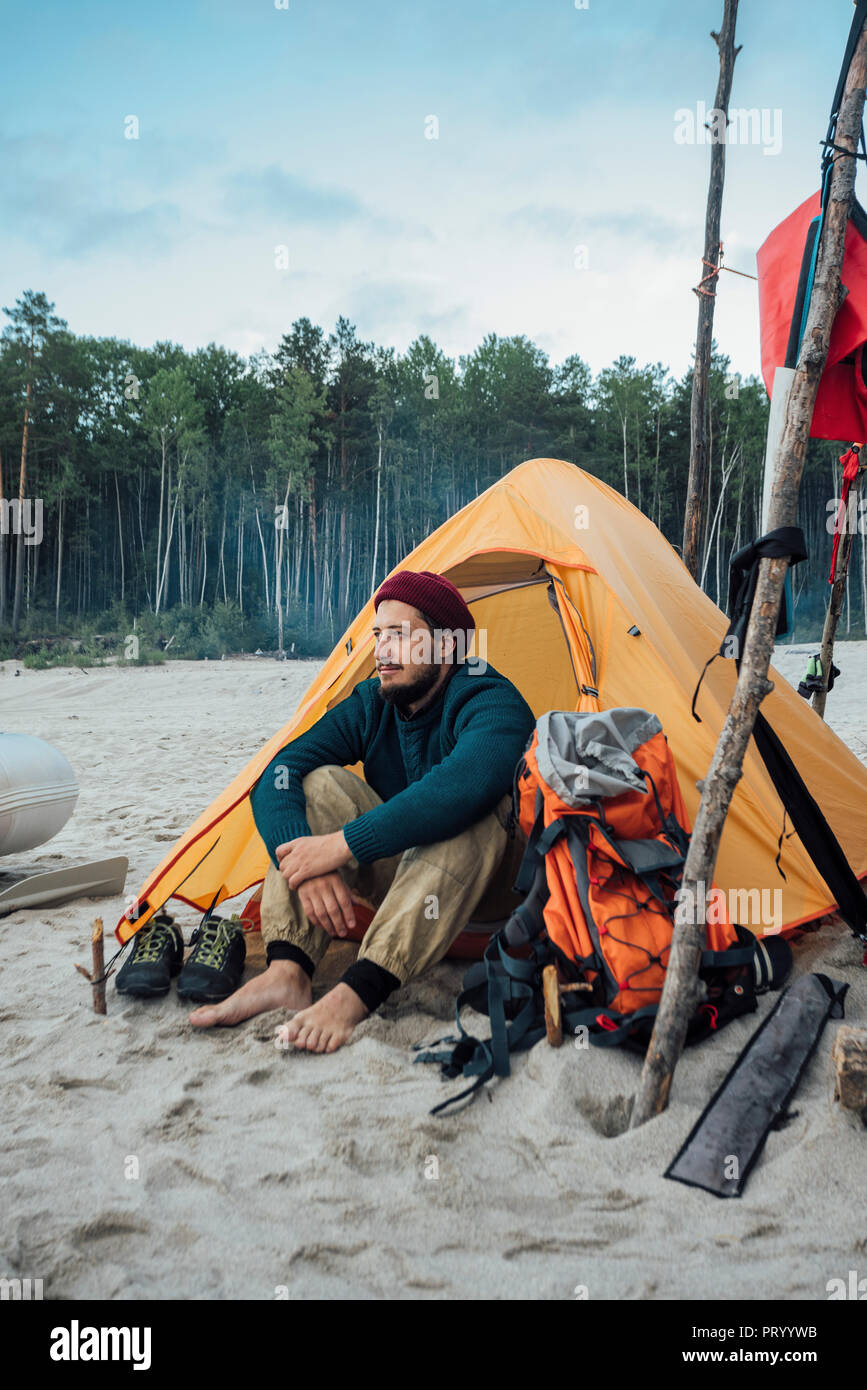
x,y
427,838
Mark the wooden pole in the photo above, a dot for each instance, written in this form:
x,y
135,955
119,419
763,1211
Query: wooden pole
x,y
96,942
849,1060
699,460
96,975
838,591
553,1016
681,989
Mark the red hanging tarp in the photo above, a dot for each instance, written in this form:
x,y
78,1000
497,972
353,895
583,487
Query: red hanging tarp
x,y
841,403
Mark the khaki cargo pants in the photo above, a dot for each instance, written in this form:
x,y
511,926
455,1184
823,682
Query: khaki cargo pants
x,y
423,897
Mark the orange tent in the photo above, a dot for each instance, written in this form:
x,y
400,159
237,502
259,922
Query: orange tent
x,y
583,604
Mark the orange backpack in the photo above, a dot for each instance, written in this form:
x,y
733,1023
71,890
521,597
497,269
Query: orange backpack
x,y
607,835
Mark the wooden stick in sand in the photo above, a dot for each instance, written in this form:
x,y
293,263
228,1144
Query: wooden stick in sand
x,y
552,990
97,972
849,1058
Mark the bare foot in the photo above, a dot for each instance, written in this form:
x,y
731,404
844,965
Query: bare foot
x,y
328,1024
284,985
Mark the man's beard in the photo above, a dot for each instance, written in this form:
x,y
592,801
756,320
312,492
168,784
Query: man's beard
x,y
424,680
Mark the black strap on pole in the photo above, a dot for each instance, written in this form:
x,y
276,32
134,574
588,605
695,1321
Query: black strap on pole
x,y
858,20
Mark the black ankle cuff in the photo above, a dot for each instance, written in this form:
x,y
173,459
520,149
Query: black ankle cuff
x,y
287,950
371,982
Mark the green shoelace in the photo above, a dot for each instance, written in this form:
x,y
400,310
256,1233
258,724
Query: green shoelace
x,y
153,941
213,941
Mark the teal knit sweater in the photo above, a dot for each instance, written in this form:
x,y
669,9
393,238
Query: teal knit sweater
x,y
438,772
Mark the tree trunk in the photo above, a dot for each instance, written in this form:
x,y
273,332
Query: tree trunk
x,y
204,544
317,577
120,543
376,527
31,559
222,568
341,571
183,596
681,990
299,545
163,579
22,484
698,458
264,559
278,570
656,505
241,558
59,561
2,552
160,525
345,603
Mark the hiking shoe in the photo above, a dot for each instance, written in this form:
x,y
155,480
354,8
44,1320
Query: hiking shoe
x,y
214,968
158,954
771,963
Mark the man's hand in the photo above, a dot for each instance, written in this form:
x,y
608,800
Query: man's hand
x,y
328,903
311,856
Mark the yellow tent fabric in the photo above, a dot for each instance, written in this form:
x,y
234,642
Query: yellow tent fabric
x,y
548,523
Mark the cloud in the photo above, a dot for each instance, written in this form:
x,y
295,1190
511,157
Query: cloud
x,y
647,226
381,299
565,224
274,191
145,231
546,221
66,214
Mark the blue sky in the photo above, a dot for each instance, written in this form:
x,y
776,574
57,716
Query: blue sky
x,y
305,128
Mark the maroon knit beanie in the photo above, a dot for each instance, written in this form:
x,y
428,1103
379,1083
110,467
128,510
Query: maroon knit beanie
x,y
432,594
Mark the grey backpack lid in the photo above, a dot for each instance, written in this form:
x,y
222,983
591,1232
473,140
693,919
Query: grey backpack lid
x,y
582,756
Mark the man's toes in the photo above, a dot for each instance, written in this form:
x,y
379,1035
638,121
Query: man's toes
x,y
205,1017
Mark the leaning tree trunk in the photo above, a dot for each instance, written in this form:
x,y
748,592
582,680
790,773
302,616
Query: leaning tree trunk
x,y
376,528
59,561
2,552
160,522
838,590
120,542
22,486
699,455
222,569
681,990
278,567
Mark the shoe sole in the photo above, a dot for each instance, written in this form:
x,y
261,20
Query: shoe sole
x,y
143,993
199,997
139,993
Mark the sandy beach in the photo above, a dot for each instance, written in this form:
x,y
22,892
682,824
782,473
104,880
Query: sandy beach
x,y
143,1158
